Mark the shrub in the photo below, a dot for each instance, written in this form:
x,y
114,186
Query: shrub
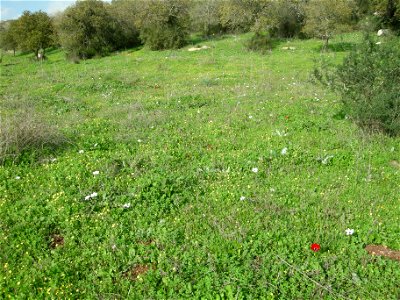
x,y
86,29
27,132
259,42
164,24
368,82
125,14
282,19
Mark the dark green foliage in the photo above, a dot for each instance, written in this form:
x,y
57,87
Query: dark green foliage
x,y
8,37
87,29
388,12
259,42
368,82
281,18
125,13
164,24
33,31
290,19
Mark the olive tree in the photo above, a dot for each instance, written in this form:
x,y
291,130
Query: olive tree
x,y
324,18
33,31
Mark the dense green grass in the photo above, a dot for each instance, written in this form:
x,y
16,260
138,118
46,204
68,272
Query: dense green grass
x,y
176,134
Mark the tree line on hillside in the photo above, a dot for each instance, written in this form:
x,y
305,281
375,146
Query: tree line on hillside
x,y
96,28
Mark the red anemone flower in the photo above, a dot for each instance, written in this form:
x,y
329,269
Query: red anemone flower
x,y
315,247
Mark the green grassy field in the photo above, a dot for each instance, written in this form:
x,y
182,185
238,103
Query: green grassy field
x,y
217,170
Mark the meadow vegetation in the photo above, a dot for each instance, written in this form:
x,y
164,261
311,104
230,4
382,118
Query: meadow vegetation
x,y
229,172
194,174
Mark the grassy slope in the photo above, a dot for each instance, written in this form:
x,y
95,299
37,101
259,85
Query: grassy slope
x,y
176,134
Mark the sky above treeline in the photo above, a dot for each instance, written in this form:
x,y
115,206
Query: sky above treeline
x,y
13,9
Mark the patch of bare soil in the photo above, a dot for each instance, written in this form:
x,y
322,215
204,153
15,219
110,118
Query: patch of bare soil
x,y
56,240
383,251
146,243
134,273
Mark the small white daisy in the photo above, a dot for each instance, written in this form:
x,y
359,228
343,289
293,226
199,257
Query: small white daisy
x,y
349,231
126,205
250,117
80,151
284,151
139,140
254,170
96,173
242,198
17,177
114,247
93,195
87,198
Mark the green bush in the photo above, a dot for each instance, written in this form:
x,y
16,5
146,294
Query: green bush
x,y
282,19
259,42
368,82
164,24
86,29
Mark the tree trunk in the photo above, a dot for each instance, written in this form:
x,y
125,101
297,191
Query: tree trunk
x,y
326,43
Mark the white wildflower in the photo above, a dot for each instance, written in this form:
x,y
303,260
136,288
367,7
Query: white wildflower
x,y
349,231
254,170
126,205
280,133
17,177
284,151
242,198
326,159
139,140
93,195
114,247
250,117
80,151
87,198
96,173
